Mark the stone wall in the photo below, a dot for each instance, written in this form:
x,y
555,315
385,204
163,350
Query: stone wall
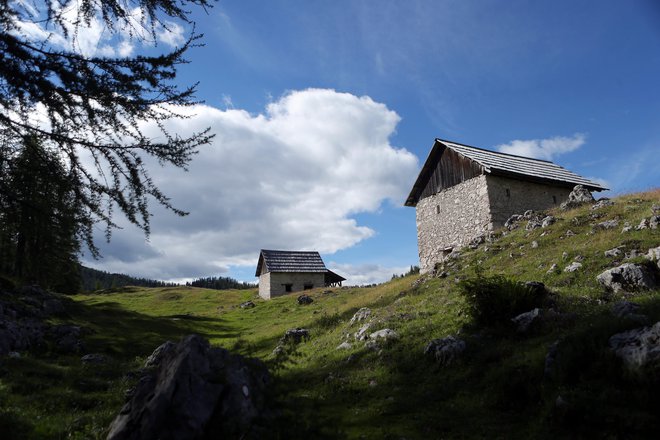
x,y
511,196
451,218
272,284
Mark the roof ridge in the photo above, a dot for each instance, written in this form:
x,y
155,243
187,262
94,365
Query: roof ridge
x,y
497,152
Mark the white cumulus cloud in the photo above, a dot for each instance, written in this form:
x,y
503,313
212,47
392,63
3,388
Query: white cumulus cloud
x,y
544,148
291,177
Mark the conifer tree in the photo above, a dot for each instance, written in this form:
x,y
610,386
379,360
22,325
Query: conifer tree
x,y
93,107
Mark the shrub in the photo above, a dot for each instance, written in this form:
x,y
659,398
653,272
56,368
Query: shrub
x,y
494,300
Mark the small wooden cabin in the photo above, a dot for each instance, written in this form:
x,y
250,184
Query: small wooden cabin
x,y
463,192
282,272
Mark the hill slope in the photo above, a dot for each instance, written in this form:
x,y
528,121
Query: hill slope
x,y
498,388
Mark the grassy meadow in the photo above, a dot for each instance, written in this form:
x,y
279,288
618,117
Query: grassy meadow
x,y
498,389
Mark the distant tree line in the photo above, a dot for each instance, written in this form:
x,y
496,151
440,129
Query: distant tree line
x,y
414,270
93,279
220,283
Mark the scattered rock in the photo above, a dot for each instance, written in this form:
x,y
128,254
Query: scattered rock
x,y
295,335
579,196
361,334
535,244
644,224
578,258
247,305
304,300
360,315
602,203
607,224
344,346
385,334
654,222
569,233
564,255
547,221
196,392
476,241
524,321
573,267
612,253
634,253
626,227
446,350
628,277
552,269
654,255
512,222
638,348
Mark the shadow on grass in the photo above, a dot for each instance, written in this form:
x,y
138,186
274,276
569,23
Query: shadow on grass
x,y
498,390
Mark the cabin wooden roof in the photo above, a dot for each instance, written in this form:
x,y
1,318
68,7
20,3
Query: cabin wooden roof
x,y
295,261
495,163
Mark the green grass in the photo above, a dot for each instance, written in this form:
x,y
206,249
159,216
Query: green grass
x,y
497,390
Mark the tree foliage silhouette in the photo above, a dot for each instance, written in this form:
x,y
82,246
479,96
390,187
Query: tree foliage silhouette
x,y
91,109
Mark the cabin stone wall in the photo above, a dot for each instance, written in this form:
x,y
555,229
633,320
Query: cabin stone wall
x,y
510,196
451,218
273,284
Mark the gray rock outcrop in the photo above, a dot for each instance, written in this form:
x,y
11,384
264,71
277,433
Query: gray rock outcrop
x,y
628,277
573,267
194,391
304,300
446,350
385,334
638,348
578,197
525,321
361,315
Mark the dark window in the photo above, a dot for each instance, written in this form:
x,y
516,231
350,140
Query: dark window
x,y
508,193
308,286
437,209
287,287
554,200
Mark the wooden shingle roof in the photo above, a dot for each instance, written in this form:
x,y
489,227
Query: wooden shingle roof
x,y
290,261
500,164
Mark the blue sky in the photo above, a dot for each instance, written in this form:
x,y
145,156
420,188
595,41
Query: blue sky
x,y
325,111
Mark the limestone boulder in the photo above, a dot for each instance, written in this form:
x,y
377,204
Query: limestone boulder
x,y
361,315
295,335
304,300
445,351
385,334
628,277
578,197
195,391
525,321
638,348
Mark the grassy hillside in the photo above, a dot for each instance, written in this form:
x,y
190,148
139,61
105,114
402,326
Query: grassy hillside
x,y
498,389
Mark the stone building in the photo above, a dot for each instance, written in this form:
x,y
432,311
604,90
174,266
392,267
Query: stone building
x,y
463,192
282,272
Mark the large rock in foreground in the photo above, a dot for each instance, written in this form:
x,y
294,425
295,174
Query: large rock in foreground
x,y
638,348
194,391
628,277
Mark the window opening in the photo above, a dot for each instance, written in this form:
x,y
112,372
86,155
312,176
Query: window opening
x,y
508,193
287,287
554,200
437,209
308,286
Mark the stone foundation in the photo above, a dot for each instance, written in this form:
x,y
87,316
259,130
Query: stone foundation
x,y
273,284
